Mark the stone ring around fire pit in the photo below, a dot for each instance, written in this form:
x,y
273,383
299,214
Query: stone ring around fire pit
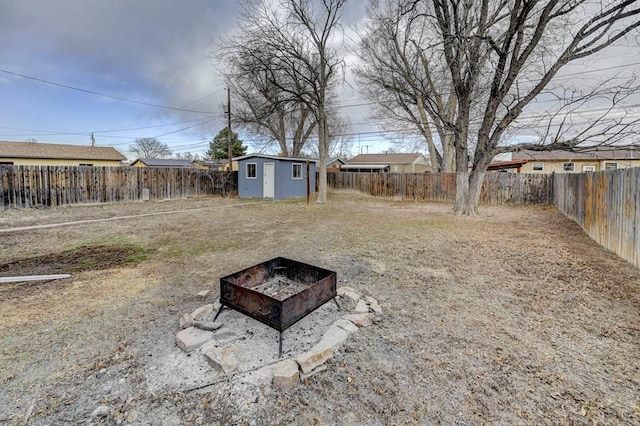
x,y
278,292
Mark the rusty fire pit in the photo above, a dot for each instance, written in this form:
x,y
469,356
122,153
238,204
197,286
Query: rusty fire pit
x,y
278,292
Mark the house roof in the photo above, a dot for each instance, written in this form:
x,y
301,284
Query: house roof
x,y
368,166
503,165
338,161
163,162
273,157
592,153
385,158
58,151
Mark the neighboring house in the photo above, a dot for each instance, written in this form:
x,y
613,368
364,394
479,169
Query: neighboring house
x,y
507,166
392,163
219,165
334,164
53,154
272,177
596,159
161,162
209,164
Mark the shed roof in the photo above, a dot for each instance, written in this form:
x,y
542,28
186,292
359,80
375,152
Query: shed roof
x,y
592,153
163,162
394,158
273,157
58,151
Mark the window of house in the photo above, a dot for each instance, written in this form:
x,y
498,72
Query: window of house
x,y
296,172
86,165
252,170
6,163
610,166
568,167
538,166
588,169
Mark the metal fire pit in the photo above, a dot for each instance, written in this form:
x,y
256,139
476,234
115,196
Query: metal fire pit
x,y
278,292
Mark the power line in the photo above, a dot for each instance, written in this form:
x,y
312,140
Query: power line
x,y
91,92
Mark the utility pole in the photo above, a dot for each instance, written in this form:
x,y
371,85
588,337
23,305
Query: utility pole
x,y
229,128
93,140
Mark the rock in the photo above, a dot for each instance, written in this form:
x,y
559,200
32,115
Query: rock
x,y
346,325
132,416
361,320
224,359
333,337
370,300
207,325
375,308
186,321
362,307
202,312
316,356
192,338
203,294
355,297
100,411
318,369
344,288
285,375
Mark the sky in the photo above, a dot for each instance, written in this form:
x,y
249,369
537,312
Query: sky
x,y
157,53
155,62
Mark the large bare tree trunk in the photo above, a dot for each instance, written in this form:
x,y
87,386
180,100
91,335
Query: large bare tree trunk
x,y
468,191
323,154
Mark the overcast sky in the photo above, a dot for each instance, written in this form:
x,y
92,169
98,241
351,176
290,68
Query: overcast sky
x,y
150,51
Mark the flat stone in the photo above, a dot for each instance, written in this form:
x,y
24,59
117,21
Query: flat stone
x,y
370,300
318,369
285,375
203,294
346,325
100,411
375,308
192,338
350,294
222,358
361,320
262,377
207,325
362,307
331,339
202,312
316,356
345,288
186,321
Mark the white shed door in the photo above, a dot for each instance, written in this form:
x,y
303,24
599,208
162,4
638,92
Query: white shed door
x,y
268,180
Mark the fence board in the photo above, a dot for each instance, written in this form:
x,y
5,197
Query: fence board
x,y
498,188
30,186
606,205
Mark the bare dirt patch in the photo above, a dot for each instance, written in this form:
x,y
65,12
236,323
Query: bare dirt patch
x,y
515,316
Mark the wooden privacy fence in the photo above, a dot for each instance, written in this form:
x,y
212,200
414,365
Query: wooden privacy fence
x,y
30,186
606,205
498,188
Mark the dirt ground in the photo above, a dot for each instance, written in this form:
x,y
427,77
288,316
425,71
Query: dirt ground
x,y
512,317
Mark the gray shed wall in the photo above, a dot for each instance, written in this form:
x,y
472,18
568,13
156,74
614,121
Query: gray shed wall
x,y
285,185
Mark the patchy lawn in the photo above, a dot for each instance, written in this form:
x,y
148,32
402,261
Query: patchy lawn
x,y
515,316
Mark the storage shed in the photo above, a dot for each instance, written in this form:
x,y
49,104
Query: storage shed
x,y
272,177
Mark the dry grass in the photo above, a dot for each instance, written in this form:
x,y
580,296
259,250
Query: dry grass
x,y
511,317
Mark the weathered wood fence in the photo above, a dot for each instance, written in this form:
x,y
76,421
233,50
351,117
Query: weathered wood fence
x,y
498,188
30,186
606,205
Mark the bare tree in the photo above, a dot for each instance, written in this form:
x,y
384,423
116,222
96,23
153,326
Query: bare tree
x,y
501,56
406,77
259,105
297,56
149,148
